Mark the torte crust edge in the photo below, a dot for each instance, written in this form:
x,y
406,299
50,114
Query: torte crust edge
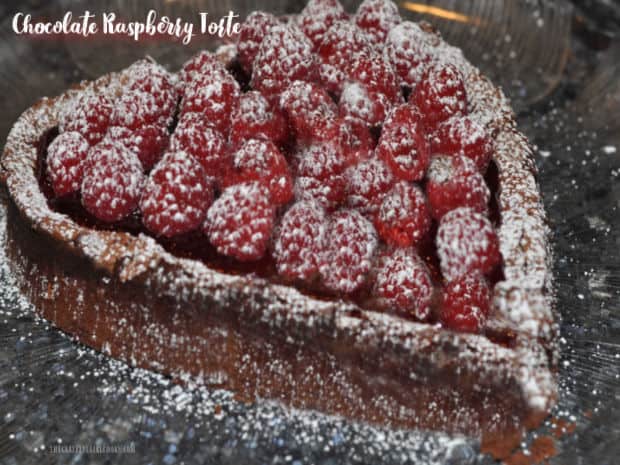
x,y
397,385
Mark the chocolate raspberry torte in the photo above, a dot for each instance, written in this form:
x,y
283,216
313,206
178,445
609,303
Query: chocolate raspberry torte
x,y
337,212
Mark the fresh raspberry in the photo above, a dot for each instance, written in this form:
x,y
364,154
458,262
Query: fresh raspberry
x,y
112,182
214,96
403,218
403,284
226,54
409,50
152,78
465,303
366,183
65,162
464,136
403,144
377,75
320,175
349,245
254,118
356,103
441,94
299,240
260,160
239,223
253,30
149,76
317,17
284,56
201,64
377,18
204,143
176,196
89,115
309,109
455,182
357,140
466,242
371,91
342,45
136,108
147,142
352,137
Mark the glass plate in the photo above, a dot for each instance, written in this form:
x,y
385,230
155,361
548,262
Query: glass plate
x,y
560,64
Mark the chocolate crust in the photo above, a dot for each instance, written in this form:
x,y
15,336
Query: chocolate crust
x,y
310,370
127,296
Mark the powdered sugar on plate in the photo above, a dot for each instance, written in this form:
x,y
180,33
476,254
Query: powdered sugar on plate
x,y
522,240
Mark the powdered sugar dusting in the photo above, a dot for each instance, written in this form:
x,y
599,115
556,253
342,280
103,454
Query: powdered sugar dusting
x,y
409,49
466,242
65,162
404,283
366,181
239,222
89,115
356,102
377,18
403,218
350,243
176,196
284,55
253,31
112,182
522,240
448,178
319,175
343,44
317,16
299,240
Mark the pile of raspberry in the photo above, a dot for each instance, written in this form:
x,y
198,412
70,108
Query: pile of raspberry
x,y
351,161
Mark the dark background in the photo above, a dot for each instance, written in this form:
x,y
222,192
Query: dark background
x,y
560,64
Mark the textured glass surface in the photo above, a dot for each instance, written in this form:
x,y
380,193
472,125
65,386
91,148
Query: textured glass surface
x,y
560,64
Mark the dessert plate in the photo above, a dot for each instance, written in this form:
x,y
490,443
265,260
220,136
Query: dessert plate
x,y
360,321
336,440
